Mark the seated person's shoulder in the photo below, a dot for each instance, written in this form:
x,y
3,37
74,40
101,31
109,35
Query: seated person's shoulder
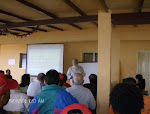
x,y
87,85
146,98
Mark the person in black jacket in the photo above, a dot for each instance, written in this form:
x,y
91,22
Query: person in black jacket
x,y
92,86
140,82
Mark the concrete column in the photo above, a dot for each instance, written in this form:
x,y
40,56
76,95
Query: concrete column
x,y
115,58
104,60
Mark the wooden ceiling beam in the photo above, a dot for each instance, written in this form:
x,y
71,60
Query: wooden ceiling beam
x,y
20,30
103,2
77,9
44,12
131,18
3,21
77,19
25,19
141,3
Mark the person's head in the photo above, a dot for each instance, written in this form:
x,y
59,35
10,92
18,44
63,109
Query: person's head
x,y
93,79
65,78
5,86
41,77
52,77
75,62
126,98
129,80
25,80
8,72
78,79
1,71
75,111
140,82
139,77
61,79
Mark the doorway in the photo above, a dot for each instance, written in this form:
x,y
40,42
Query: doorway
x,y
143,67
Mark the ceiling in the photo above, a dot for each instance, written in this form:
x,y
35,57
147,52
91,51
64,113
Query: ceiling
x,y
61,9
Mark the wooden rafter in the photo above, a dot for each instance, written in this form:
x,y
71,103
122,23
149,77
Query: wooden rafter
x,y
140,5
26,19
3,21
44,12
131,18
103,2
78,19
77,9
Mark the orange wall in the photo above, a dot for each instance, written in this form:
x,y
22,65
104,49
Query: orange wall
x,y
71,50
128,56
12,52
75,49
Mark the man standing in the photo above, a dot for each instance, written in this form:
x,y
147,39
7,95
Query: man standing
x,y
74,69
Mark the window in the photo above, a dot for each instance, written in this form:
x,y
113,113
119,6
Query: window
x,y
90,57
23,60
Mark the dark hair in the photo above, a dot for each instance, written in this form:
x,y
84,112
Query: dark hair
x,y
25,80
141,81
93,78
75,111
126,98
65,78
7,70
129,80
139,77
41,76
52,77
1,71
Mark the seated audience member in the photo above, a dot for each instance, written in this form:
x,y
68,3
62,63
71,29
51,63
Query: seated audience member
x,y
53,98
65,81
18,101
62,81
1,71
8,72
146,98
25,80
140,82
126,98
82,94
92,86
36,86
5,86
76,109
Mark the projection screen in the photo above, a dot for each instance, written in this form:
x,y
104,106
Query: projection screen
x,y
43,57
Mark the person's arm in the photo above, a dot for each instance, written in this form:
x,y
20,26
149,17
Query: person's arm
x,y
82,70
92,104
69,73
64,99
33,108
30,90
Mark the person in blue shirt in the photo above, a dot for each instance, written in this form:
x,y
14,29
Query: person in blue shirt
x,y
53,98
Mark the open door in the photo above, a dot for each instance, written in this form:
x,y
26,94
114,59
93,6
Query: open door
x,y
144,67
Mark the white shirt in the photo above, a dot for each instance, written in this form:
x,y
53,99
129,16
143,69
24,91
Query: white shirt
x,y
72,71
83,95
17,101
34,88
